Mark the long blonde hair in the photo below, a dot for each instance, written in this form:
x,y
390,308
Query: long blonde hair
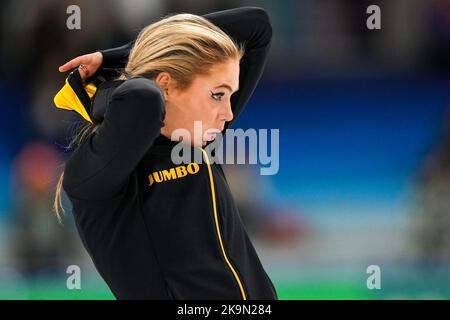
x,y
183,45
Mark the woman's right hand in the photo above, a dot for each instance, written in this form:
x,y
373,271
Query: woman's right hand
x,y
91,62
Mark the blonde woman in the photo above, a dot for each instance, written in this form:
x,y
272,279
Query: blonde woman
x,y
154,229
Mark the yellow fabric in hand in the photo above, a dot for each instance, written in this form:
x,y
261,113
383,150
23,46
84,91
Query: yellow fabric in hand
x,y
67,99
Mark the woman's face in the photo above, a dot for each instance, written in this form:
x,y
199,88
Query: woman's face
x,y
206,100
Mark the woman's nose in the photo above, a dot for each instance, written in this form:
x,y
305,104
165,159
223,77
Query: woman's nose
x,y
227,112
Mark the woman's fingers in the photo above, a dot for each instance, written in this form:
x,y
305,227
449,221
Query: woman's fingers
x,y
71,64
87,64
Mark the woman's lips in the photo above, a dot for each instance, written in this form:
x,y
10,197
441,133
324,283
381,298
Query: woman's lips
x,y
212,134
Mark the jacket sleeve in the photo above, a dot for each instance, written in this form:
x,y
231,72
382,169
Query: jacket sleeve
x,y
102,164
116,58
248,25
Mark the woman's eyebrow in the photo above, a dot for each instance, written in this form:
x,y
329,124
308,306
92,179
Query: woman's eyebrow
x,y
224,85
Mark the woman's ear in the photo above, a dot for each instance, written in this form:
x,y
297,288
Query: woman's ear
x,y
164,80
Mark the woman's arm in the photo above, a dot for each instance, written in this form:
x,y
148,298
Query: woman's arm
x,y
116,57
250,25
100,166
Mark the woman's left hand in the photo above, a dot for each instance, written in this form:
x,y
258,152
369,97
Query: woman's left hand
x,y
88,64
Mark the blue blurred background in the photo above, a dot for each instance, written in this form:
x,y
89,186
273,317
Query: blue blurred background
x,y
364,120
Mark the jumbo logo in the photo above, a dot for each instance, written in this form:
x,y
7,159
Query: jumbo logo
x,y
173,173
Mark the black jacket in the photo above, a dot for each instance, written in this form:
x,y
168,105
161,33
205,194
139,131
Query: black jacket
x,y
156,230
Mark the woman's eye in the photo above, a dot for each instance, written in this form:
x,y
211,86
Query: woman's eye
x,y
217,96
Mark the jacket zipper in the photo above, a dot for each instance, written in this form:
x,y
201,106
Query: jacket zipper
x,y
216,220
